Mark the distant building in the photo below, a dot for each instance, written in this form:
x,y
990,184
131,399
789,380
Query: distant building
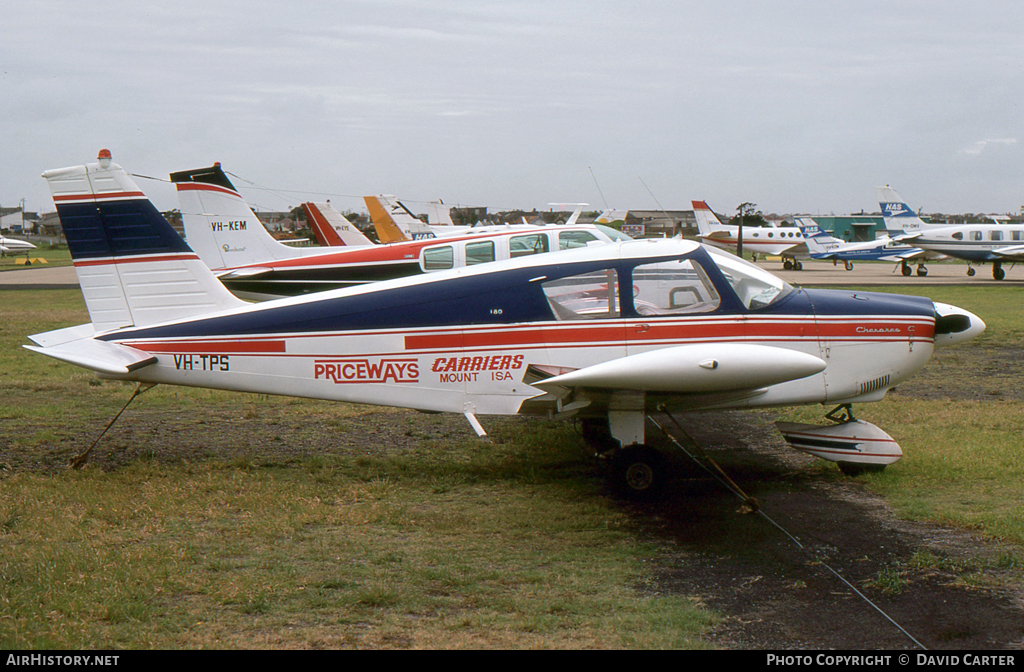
x,y
17,220
852,228
659,223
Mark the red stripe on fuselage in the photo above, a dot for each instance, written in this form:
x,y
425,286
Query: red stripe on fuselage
x,y
649,331
219,347
139,259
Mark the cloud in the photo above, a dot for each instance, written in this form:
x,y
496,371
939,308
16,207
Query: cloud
x,y
980,145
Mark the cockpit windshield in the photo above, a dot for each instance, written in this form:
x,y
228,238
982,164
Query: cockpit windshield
x,y
614,234
755,287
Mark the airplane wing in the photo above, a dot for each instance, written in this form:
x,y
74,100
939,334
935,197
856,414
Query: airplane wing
x,y
244,273
707,370
1010,252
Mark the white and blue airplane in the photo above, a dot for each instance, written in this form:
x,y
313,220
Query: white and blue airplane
x,y
994,243
14,246
605,334
822,245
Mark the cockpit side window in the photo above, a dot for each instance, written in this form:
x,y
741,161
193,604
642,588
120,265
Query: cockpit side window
x,y
589,296
673,287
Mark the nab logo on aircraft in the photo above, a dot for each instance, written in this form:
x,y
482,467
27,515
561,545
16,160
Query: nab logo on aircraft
x,y
360,370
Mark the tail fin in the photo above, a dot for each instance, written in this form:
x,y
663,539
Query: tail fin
x,y
612,217
899,218
133,267
438,214
220,226
817,240
707,222
331,228
388,211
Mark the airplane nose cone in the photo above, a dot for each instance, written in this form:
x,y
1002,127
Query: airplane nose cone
x,y
955,325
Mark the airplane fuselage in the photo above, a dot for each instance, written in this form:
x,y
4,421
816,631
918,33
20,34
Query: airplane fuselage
x,y
464,340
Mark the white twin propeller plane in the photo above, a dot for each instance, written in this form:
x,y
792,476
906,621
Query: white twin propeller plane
x,y
604,333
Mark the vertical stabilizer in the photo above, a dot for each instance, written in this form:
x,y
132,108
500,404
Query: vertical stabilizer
x,y
818,241
387,229
331,228
220,226
707,222
133,267
899,218
439,214
411,226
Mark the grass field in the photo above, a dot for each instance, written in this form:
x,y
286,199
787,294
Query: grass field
x,y
205,536
447,544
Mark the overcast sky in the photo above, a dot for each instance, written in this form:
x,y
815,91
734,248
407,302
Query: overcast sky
x,y
795,106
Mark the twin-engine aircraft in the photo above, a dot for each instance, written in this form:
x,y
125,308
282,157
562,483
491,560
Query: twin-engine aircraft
x,y
783,241
975,243
605,334
223,230
822,245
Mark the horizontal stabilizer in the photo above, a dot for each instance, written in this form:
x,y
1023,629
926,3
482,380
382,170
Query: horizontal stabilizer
x,y
703,368
61,336
98,356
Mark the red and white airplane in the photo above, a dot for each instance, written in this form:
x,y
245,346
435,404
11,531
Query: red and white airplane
x,y
223,230
783,241
331,228
606,334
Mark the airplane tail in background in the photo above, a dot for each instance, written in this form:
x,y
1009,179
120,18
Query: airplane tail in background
x,y
219,224
438,214
899,218
133,267
331,228
707,222
387,229
411,226
612,217
818,242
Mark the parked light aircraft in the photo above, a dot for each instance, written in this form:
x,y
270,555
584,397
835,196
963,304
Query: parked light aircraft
x,y
331,228
15,246
784,241
605,333
821,245
228,237
975,243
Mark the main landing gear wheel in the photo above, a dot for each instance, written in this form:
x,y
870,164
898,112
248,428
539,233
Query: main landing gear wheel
x,y
639,472
905,270
787,265
997,271
922,271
